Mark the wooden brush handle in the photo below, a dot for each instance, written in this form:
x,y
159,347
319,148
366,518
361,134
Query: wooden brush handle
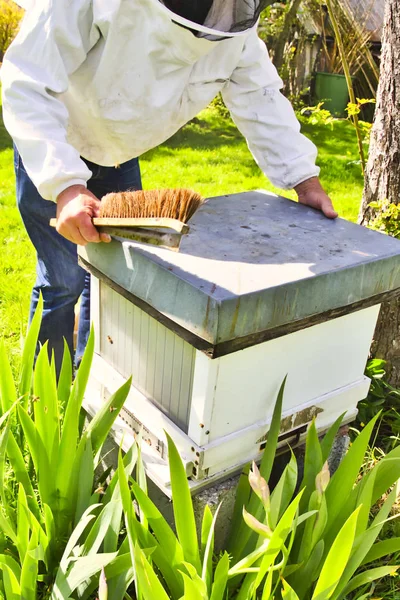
x,y
165,223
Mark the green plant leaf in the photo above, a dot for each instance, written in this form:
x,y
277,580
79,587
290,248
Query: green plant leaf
x,y
51,536
283,492
244,537
336,560
381,549
100,426
168,554
10,582
98,530
70,429
86,518
206,527
39,456
8,528
30,433
28,354
312,464
95,538
345,476
364,501
329,438
148,582
288,593
193,589
242,498
46,404
85,480
303,579
113,494
277,541
21,474
159,525
8,393
267,461
266,595
388,473
320,523
130,517
364,542
23,528
206,524
3,449
208,553
82,569
267,552
141,479
369,576
12,564
129,462
183,508
119,573
306,534
220,582
65,378
29,570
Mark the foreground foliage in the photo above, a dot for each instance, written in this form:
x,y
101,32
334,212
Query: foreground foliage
x,y
53,521
65,535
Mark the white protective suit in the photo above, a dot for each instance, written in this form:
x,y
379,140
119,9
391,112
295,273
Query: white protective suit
x,y
109,79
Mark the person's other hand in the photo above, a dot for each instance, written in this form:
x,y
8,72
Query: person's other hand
x,y
311,193
76,207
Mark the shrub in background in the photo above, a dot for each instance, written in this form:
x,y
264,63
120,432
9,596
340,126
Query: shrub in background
x,y
10,17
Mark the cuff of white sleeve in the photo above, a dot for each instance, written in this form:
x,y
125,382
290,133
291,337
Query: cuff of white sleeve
x,y
301,178
56,191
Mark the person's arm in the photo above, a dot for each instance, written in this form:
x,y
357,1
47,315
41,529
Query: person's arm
x,y
268,122
53,42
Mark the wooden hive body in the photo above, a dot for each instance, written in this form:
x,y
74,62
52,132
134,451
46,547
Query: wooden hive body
x,y
261,288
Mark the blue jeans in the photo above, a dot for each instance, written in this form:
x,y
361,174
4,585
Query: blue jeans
x,y
60,279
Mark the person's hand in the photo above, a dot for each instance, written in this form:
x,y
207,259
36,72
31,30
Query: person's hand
x,y
311,193
76,207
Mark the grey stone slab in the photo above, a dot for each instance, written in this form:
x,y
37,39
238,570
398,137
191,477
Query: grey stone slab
x,y
253,262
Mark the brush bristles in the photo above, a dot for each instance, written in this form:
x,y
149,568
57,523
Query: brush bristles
x,y
178,204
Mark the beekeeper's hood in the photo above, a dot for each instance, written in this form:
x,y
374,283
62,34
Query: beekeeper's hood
x,y
217,18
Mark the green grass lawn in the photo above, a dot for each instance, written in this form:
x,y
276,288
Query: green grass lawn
x,y
208,155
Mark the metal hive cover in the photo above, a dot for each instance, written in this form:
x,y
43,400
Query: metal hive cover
x,y
253,266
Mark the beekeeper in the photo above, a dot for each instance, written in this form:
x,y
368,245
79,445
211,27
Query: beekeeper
x,y
90,85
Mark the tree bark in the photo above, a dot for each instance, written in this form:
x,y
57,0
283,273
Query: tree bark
x,y
382,181
279,46
382,178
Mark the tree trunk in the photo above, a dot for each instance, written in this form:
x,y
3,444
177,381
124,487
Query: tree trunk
x,y
382,180
279,46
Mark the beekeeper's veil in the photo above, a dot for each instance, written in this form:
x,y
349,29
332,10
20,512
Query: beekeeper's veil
x,y
230,16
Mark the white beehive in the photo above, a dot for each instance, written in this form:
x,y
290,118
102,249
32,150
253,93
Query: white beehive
x,y
261,288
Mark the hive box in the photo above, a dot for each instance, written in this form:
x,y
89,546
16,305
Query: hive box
x,y
261,288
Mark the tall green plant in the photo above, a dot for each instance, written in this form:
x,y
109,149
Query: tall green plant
x,y
339,507
306,544
53,519
59,531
